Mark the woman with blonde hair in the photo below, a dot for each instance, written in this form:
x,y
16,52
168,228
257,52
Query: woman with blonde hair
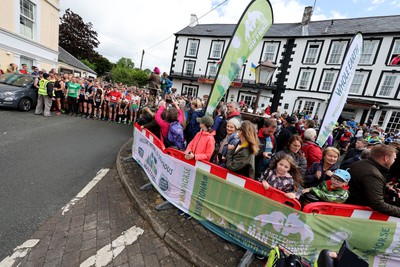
x,y
240,159
323,170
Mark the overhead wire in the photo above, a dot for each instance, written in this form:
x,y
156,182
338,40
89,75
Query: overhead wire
x,y
202,16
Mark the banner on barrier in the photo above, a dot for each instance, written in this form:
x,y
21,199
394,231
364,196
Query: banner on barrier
x,y
258,223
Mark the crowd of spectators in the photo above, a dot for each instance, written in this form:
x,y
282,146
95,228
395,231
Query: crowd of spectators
x,y
280,151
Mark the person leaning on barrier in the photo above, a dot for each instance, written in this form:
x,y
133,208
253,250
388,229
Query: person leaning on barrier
x,y
368,183
240,159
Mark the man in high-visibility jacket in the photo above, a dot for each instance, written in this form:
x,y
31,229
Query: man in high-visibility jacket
x,y
45,96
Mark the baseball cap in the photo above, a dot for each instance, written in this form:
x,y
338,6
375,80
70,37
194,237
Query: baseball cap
x,y
291,120
206,120
342,174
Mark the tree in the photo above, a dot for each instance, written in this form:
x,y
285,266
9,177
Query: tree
x,y
89,64
125,62
129,76
103,65
76,37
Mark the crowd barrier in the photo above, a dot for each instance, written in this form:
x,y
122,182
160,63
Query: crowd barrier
x,y
325,208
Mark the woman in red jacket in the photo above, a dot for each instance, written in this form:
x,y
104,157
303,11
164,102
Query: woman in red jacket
x,y
203,144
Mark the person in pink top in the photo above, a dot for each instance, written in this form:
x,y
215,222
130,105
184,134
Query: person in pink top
x,y
203,144
395,60
164,125
115,95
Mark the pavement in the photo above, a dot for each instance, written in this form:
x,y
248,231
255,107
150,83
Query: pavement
x,y
189,238
88,232
82,236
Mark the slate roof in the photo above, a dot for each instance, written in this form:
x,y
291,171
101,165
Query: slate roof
x,y
69,59
332,27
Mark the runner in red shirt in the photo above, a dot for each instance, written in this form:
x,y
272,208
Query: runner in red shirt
x,y
115,95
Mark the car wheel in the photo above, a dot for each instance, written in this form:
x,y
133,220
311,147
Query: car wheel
x,y
25,104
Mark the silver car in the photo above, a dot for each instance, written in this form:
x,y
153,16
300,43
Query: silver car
x,y
17,91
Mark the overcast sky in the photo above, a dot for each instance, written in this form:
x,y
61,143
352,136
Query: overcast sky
x,y
126,27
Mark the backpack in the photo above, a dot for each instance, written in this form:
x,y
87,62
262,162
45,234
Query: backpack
x,y
175,135
281,257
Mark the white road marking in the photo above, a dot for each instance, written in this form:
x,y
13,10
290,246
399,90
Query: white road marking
x,y
110,251
100,174
19,252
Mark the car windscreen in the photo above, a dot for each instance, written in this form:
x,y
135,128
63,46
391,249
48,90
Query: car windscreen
x,y
16,80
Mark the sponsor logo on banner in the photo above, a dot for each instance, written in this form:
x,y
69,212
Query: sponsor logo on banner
x,y
258,223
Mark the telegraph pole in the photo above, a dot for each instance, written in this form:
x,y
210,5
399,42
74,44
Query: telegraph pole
x,y
141,60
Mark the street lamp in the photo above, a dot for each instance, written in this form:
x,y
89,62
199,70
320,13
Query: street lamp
x,y
264,72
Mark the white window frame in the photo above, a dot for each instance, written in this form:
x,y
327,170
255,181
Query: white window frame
x,y
270,51
212,70
368,52
395,50
312,52
188,68
388,85
192,47
217,48
305,77
358,84
190,90
394,121
328,80
309,106
336,52
27,15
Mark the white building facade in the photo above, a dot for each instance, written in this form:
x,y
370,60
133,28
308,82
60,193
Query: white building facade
x,y
308,57
29,33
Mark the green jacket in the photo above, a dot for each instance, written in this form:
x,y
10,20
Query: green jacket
x,y
241,161
337,195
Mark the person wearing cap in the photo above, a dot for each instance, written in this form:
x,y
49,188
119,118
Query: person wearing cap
x,y
203,144
374,137
368,183
334,189
287,132
45,96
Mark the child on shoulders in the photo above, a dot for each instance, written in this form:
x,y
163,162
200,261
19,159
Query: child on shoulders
x,y
334,189
283,175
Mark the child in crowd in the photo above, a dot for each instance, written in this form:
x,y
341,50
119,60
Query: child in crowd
x,y
283,175
333,190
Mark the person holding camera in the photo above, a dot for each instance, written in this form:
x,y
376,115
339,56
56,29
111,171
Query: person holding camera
x,y
165,124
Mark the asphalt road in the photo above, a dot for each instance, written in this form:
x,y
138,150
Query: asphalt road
x,y
44,163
